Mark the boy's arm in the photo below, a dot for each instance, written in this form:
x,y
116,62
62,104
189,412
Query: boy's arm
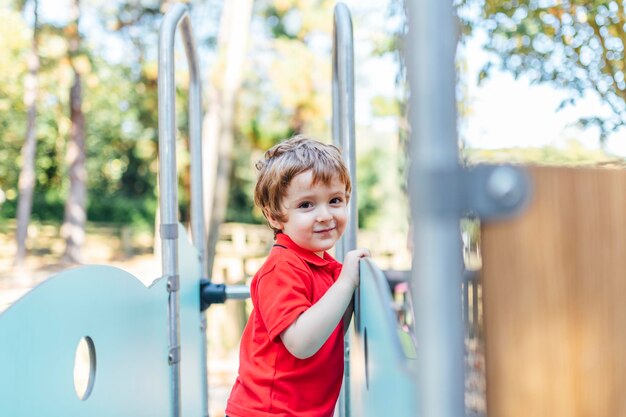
x,y
304,337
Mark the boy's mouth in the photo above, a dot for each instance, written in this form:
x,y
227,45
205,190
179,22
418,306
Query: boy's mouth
x,y
325,230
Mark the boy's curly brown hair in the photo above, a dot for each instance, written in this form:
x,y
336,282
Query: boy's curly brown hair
x,y
294,156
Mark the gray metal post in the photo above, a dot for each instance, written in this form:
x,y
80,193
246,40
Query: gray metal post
x,y
343,136
343,113
436,201
168,180
198,229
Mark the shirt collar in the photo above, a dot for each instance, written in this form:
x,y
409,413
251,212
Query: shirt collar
x,y
307,255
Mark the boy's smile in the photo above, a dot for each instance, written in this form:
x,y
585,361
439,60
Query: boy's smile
x,y
316,213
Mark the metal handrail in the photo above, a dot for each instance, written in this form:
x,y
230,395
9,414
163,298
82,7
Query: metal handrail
x,y
343,113
343,137
178,16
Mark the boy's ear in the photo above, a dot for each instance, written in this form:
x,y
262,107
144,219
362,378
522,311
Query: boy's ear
x,y
272,221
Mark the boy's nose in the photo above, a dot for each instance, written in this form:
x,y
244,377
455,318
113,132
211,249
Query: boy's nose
x,y
323,214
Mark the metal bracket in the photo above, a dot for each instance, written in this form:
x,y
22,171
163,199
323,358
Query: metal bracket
x,y
487,191
174,355
211,293
495,191
173,283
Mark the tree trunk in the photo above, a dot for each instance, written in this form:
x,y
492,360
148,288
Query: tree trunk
x,y
219,120
26,183
73,229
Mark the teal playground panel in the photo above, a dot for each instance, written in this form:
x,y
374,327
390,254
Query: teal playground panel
x,y
382,372
148,347
128,324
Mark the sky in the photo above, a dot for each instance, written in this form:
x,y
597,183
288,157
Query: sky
x,y
506,112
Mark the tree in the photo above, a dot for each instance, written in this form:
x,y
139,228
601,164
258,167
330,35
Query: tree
x,y
286,89
219,130
119,99
15,43
73,229
293,60
571,44
26,184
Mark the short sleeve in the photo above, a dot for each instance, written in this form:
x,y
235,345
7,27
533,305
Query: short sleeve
x,y
283,293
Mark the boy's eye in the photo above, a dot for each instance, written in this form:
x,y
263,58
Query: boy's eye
x,y
336,200
305,205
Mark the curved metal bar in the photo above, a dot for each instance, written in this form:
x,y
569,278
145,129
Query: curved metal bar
x,y
437,261
343,137
168,178
343,113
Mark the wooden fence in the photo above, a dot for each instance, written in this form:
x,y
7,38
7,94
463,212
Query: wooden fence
x,y
554,281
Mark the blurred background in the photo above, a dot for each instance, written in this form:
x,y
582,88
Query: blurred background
x,y
79,121
538,82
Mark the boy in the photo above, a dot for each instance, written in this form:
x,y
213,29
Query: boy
x,y
291,357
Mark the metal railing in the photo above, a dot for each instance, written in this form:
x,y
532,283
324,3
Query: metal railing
x,y
178,17
343,125
343,136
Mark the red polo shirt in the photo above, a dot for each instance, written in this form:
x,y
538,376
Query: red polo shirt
x,y
272,382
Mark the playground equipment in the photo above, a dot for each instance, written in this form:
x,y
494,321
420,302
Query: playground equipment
x,y
441,193
344,138
125,325
168,183
136,336
147,354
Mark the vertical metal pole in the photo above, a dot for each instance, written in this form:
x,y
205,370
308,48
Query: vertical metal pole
x,y
343,136
436,202
168,182
195,143
198,228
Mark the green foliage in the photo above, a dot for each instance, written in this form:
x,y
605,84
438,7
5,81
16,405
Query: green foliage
x,y
119,103
573,154
370,189
124,210
287,86
574,45
14,44
241,208
287,90
385,106
381,205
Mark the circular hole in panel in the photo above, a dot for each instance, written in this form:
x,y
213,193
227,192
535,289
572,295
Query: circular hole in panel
x,y
84,368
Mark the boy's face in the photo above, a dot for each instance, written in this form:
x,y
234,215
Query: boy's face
x,y
316,213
